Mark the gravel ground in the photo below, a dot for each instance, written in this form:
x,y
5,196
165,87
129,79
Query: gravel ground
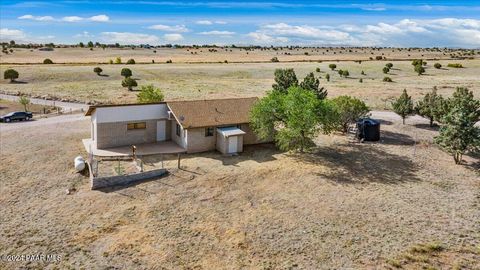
x,y
345,205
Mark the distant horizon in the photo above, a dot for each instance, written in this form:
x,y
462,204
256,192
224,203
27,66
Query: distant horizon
x,y
354,23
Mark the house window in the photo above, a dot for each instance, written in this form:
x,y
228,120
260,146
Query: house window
x,y
177,130
209,132
139,125
239,126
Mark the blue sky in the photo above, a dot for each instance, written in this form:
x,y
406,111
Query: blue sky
x,y
320,23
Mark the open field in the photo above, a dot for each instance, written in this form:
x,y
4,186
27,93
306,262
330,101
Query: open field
x,y
345,205
211,54
7,106
192,81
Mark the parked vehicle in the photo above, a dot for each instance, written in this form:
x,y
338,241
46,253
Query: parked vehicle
x,y
16,116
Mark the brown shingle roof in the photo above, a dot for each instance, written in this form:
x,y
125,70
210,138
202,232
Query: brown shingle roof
x,y
213,112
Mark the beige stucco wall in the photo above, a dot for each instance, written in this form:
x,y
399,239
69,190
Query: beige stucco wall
x,y
180,140
250,137
197,142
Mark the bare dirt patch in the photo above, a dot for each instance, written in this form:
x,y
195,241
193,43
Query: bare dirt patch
x,y
344,205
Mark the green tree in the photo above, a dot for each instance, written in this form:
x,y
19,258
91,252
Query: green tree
x,y
131,61
291,119
90,44
327,76
419,69
403,105
313,84
97,70
24,100
431,106
348,110
284,79
332,66
47,61
11,74
346,73
317,69
340,72
129,83
458,133
149,94
389,65
387,79
81,45
417,62
126,72
437,65
386,70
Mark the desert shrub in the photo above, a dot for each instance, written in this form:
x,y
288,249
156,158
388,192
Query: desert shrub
x,y
332,66
455,65
169,61
126,72
47,61
313,84
24,100
386,70
387,79
149,93
417,62
363,72
129,83
348,110
110,61
274,59
403,105
458,134
327,77
317,69
419,69
118,60
97,70
389,65
131,61
361,80
284,79
340,72
437,65
10,74
379,57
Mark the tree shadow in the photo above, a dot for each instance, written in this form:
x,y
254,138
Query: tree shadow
x,y
393,138
384,122
104,75
258,152
435,127
135,183
18,82
361,163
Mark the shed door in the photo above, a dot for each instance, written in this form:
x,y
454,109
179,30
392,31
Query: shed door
x,y
232,144
161,131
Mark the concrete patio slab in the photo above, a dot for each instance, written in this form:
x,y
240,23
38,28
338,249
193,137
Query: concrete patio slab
x,y
143,149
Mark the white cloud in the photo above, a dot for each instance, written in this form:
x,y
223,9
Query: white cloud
x,y
220,22
96,18
168,28
11,34
84,34
173,37
129,38
263,38
204,22
99,18
217,33
72,19
36,18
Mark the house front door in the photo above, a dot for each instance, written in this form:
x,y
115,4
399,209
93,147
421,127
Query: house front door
x,y
161,131
232,144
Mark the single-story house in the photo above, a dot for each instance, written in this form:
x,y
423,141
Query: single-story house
x,y
195,126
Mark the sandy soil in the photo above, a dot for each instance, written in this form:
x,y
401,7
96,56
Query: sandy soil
x,y
199,81
211,55
345,205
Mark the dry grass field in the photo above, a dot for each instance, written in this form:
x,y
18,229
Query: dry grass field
x,y
193,81
211,55
400,202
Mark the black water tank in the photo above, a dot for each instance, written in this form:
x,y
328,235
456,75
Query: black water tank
x,y
368,129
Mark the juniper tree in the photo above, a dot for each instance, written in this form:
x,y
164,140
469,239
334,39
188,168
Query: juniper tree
x,y
403,105
284,79
313,84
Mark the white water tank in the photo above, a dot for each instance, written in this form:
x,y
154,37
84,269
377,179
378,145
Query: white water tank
x,y
79,163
